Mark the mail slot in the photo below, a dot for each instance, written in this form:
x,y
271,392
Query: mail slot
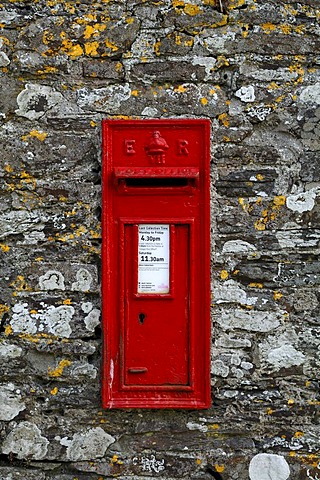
x,y
156,264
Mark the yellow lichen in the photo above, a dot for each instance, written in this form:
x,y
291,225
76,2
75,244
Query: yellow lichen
x,y
279,201
286,29
8,168
20,284
273,86
8,330
88,32
54,391
70,49
5,249
47,69
277,295
260,224
268,28
90,49
180,89
58,371
214,426
219,468
177,3
111,46
256,285
245,30
224,119
204,101
224,274
222,61
235,4
3,309
115,458
40,135
191,9
95,234
156,48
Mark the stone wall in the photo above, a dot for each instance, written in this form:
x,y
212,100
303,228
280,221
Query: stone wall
x,y
250,66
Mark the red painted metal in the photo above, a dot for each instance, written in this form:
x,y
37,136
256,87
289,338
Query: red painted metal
x,y
156,351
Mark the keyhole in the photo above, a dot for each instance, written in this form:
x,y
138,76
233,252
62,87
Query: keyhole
x,y
141,318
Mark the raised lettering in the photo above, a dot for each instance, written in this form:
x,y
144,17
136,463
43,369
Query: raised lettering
x,y
183,147
130,147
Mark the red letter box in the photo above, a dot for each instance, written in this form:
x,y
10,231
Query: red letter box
x,y
156,264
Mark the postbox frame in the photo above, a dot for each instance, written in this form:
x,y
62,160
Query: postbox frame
x,y
115,394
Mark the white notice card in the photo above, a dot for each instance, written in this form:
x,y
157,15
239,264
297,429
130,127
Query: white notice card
x,y
153,262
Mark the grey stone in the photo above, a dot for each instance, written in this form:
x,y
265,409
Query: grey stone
x,y
26,441
10,401
267,466
88,445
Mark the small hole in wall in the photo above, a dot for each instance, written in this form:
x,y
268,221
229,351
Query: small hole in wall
x,y
98,213
98,332
3,323
210,469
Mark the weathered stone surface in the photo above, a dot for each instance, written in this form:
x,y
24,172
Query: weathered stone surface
x,y
268,466
252,68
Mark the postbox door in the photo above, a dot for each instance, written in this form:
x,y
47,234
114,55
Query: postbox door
x,y
156,333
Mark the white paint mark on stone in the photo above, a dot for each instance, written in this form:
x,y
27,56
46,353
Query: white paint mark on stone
x,y
33,238
21,321
149,464
92,320
267,466
35,100
297,238
246,94
238,246
260,112
219,368
207,62
89,445
52,280
197,426
311,94
104,99
10,402
19,221
302,202
150,112
84,370
26,441
4,59
285,356
250,321
57,320
8,351
65,441
230,292
86,307
84,280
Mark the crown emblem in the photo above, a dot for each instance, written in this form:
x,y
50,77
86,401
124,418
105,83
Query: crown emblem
x,y
156,148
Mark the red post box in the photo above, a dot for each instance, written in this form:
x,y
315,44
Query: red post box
x,y
156,264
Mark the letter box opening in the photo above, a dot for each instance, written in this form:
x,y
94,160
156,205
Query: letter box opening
x,y
156,264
